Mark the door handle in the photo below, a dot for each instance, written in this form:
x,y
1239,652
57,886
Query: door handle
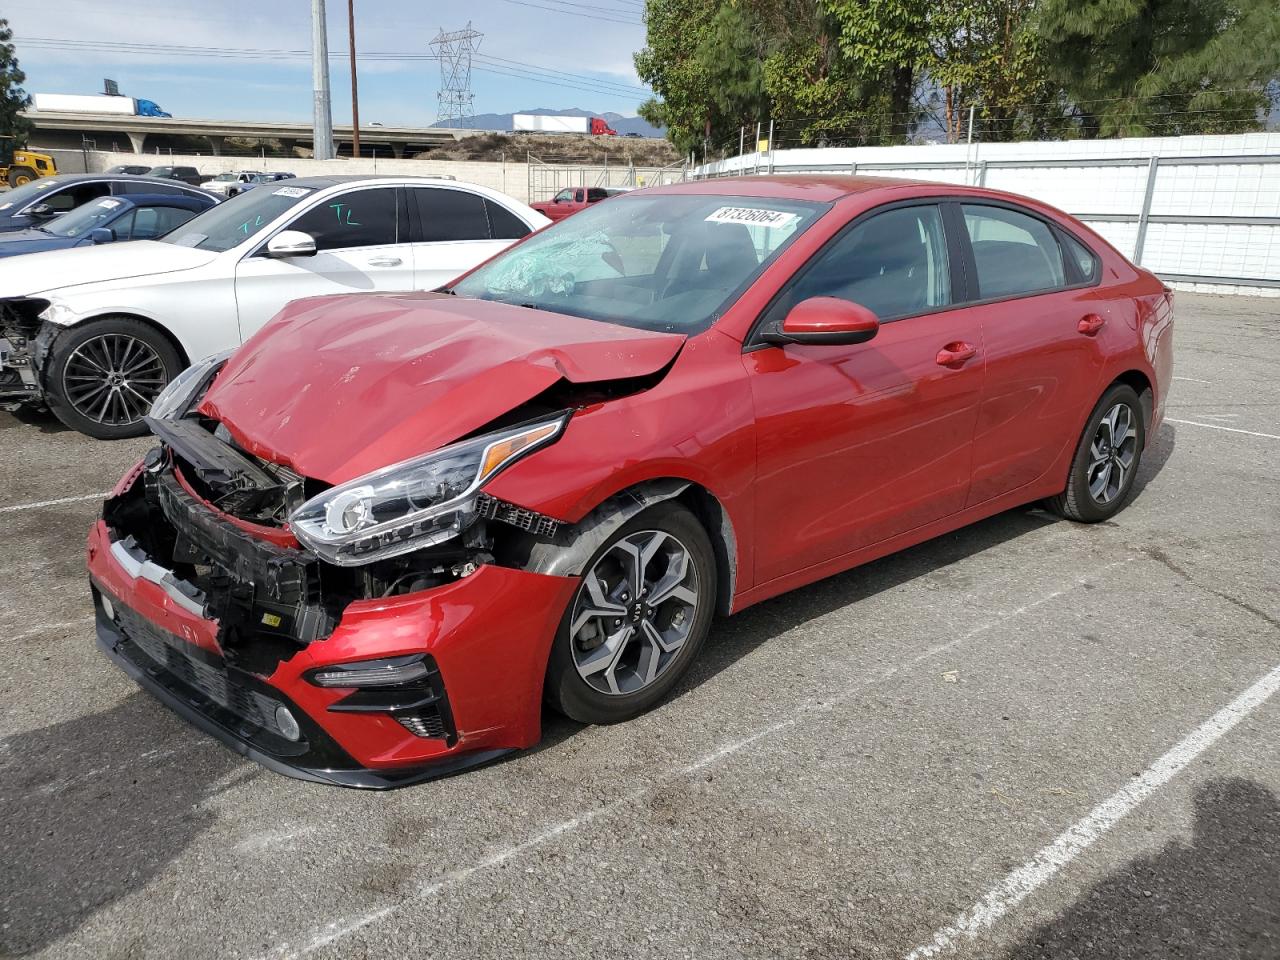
x,y
955,354
1090,324
385,262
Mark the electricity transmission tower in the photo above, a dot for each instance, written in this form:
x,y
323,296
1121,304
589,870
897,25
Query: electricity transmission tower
x,y
454,51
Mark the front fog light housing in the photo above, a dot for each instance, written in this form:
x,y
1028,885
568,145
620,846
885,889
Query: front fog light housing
x,y
391,672
414,504
287,724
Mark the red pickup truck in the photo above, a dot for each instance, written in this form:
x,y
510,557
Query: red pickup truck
x,y
572,199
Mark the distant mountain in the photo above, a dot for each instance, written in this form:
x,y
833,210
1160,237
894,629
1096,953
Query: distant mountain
x,y
502,121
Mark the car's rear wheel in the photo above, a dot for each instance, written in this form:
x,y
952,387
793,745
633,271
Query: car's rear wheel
x,y
103,375
1107,459
637,620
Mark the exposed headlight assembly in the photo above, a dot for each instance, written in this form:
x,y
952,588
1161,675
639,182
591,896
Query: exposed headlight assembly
x,y
414,504
184,389
58,313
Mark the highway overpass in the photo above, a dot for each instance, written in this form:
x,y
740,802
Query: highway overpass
x,y
143,134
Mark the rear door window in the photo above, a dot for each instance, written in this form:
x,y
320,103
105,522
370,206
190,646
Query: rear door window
x,y
1015,253
449,215
362,218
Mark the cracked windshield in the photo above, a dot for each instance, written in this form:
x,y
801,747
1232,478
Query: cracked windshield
x,y
669,263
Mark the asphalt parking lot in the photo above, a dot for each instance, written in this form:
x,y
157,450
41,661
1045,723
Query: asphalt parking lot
x,y
1027,739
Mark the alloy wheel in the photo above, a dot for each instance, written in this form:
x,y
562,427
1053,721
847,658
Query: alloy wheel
x,y
634,612
1111,454
112,379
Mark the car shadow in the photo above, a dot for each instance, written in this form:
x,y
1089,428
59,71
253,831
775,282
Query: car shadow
x,y
1159,450
38,417
735,637
1213,898
88,817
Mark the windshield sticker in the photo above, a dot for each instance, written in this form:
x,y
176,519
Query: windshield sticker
x,y
108,204
753,216
294,192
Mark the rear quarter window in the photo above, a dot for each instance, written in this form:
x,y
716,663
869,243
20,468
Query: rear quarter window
x,y
1083,258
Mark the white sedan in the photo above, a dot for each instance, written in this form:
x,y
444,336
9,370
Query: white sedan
x,y
96,333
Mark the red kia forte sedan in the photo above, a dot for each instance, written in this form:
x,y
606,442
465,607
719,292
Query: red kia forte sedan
x,y
373,541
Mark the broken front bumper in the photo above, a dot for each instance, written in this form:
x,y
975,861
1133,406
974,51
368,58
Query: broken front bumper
x,y
485,637
24,347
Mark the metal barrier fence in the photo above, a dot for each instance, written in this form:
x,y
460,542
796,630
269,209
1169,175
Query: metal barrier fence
x,y
548,179
1211,220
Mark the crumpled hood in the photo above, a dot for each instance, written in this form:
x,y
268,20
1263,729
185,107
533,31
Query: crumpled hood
x,y
55,269
336,387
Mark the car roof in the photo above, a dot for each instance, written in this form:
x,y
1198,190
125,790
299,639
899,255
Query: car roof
x,y
335,180
824,188
163,199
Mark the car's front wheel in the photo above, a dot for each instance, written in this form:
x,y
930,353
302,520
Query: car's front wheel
x,y
637,620
1107,458
102,376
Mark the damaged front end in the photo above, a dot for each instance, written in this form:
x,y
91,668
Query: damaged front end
x,y
24,347
360,634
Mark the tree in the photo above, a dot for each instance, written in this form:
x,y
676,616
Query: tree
x,y
1163,67
13,99
670,64
889,37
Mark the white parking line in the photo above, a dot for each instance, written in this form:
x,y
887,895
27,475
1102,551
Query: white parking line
x,y
1217,426
340,928
1041,868
53,503
1193,380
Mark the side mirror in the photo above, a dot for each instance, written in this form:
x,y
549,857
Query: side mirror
x,y
42,211
102,235
291,243
828,320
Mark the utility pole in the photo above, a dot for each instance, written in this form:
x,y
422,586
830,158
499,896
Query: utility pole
x,y
355,95
322,118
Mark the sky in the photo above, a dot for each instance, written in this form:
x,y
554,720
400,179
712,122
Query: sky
x,y
582,51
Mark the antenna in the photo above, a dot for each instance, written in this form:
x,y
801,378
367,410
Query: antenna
x,y
454,51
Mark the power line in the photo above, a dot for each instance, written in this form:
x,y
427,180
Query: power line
x,y
512,68
589,16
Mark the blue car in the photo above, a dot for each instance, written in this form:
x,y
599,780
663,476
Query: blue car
x,y
138,216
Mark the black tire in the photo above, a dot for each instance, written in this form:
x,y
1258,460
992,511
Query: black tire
x,y
70,368
567,692
21,176
1078,502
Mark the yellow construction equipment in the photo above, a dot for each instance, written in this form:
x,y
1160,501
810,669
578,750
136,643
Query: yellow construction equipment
x,y
20,167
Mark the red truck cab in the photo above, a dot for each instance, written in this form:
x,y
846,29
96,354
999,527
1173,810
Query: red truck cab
x,y
572,199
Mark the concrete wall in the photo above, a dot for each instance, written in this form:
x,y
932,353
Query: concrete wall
x,y
512,177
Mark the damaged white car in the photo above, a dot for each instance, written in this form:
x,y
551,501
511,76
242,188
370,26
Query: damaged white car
x,y
95,334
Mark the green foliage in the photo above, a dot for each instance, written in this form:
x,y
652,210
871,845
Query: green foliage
x,y
877,71
1163,67
13,99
